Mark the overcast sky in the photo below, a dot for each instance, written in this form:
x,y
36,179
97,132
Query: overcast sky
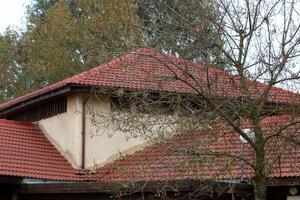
x,y
12,13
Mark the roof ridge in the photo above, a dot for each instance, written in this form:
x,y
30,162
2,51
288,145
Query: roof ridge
x,y
125,57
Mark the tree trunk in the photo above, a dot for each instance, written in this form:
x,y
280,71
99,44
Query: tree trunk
x,y
260,178
260,188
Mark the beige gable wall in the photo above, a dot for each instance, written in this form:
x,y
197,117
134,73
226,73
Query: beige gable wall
x,y
64,131
102,145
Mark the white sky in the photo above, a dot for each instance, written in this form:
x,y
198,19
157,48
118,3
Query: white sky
x,y
12,13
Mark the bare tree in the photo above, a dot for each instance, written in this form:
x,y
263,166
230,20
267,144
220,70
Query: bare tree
x,y
261,44
262,41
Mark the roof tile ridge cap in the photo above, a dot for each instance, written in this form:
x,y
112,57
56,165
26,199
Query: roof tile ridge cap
x,y
148,51
115,61
181,59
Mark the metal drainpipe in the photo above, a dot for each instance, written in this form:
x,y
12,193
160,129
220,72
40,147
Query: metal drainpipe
x,y
84,102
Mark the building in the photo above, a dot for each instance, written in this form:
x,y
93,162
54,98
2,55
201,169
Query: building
x,y
51,147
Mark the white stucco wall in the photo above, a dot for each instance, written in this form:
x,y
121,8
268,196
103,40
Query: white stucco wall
x,y
102,144
64,131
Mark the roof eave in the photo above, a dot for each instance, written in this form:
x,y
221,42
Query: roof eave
x,y
33,100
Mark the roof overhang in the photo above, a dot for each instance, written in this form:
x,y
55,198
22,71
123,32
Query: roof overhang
x,y
66,89
186,185
35,99
148,186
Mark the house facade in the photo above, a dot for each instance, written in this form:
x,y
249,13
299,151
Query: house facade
x,y
57,144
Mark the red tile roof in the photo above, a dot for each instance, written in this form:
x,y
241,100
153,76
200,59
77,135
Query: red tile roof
x,y
174,160
148,69
26,152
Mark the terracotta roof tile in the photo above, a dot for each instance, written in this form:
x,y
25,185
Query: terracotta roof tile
x,y
26,152
148,69
174,161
